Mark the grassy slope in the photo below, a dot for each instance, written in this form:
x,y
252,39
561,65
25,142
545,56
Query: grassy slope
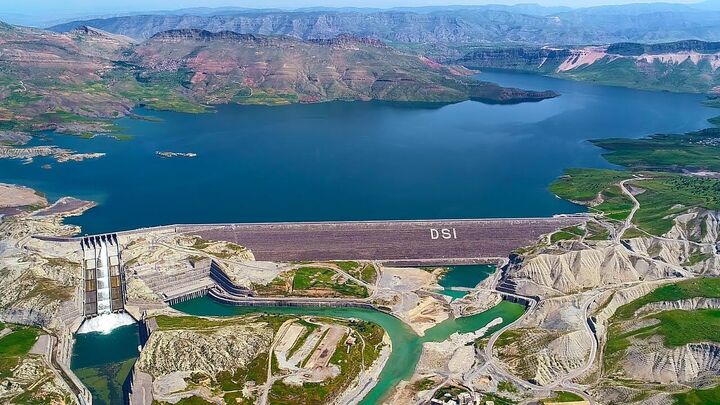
x,y
584,185
677,327
666,194
685,77
698,397
665,152
693,288
309,278
670,194
14,346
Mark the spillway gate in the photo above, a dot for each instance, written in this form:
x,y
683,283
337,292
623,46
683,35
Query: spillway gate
x,y
104,275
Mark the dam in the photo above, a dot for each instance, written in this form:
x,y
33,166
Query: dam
x,y
104,291
423,242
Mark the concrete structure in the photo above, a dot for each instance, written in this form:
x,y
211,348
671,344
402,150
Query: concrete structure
x,y
434,242
104,286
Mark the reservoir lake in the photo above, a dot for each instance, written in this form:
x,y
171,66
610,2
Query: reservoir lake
x,y
353,160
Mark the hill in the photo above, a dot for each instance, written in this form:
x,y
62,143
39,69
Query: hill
x,y
77,81
682,66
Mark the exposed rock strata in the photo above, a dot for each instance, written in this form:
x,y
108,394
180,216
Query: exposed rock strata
x,y
576,270
649,360
211,351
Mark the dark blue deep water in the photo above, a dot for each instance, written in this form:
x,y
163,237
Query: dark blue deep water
x,y
352,161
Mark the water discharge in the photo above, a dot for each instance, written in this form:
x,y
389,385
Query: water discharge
x,y
106,323
103,281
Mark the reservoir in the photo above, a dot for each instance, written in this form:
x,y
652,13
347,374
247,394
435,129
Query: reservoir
x,y
353,160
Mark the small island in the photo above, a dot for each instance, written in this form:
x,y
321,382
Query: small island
x,y
175,154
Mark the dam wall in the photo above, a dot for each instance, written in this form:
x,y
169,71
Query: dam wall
x,y
406,242
218,274
224,298
200,292
434,242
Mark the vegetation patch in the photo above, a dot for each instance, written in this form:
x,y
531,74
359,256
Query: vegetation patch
x,y
680,327
665,152
585,185
686,289
423,384
664,196
563,396
255,371
16,345
318,278
569,233
668,195
698,397
677,327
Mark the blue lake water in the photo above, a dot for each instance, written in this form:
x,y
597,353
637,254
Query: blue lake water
x,y
354,161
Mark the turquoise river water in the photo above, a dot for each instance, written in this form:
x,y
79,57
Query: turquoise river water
x,y
103,361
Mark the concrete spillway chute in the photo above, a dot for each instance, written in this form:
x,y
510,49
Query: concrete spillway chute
x,y
104,291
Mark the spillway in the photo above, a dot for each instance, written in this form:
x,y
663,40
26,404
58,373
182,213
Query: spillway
x,y
104,281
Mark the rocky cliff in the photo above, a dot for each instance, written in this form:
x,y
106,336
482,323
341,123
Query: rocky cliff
x,y
576,270
210,350
652,362
684,66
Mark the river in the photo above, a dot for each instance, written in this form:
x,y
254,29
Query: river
x,y
353,160
103,361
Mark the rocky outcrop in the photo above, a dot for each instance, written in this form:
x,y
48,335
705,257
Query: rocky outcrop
x,y
59,154
636,49
687,305
14,138
698,225
645,66
202,35
475,302
575,270
225,348
549,342
652,362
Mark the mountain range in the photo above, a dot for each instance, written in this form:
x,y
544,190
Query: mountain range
x,y
521,24
80,80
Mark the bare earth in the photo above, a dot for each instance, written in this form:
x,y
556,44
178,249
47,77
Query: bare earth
x,y
17,196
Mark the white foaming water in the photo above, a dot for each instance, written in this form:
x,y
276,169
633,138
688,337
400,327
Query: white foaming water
x,y
105,323
103,281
